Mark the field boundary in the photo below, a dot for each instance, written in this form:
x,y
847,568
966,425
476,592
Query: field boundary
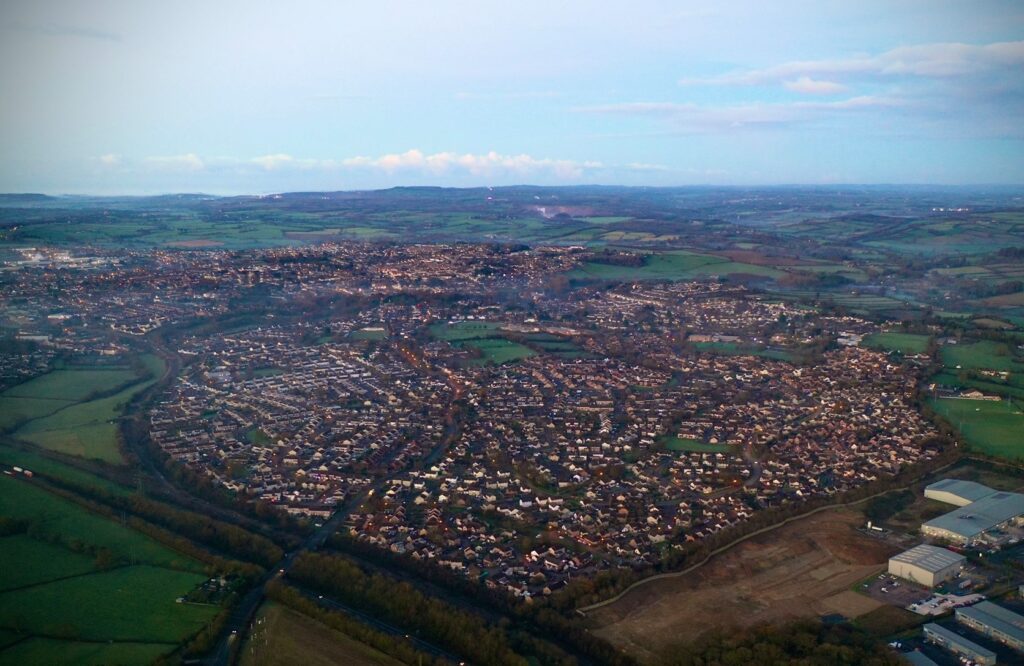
x,y
764,530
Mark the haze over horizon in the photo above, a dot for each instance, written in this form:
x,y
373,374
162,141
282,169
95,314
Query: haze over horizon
x,y
142,98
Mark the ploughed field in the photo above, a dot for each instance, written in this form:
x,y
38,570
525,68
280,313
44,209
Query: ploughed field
x,y
805,569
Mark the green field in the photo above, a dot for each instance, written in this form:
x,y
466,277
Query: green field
x,y
464,330
694,445
993,428
497,350
736,349
88,429
64,604
1014,389
368,334
282,637
26,561
41,464
47,651
73,385
49,393
905,343
135,603
56,517
986,355
676,265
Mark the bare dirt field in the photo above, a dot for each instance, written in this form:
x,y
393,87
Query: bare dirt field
x,y
805,569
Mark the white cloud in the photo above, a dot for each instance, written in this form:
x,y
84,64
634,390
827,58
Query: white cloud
x,y
109,160
927,60
485,164
186,162
809,86
271,162
755,114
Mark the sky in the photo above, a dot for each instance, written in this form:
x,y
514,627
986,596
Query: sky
x,y
227,97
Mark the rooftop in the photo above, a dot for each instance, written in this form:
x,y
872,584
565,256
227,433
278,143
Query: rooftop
x,y
956,639
929,558
978,517
1001,619
969,490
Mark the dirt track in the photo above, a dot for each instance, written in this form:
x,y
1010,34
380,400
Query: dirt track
x,y
805,569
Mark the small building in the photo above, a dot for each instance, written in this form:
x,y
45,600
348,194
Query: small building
x,y
917,658
926,565
969,523
957,492
994,621
958,645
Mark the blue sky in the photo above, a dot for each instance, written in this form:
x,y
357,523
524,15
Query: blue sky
x,y
227,97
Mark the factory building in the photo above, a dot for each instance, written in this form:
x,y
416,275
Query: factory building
x,y
994,621
957,492
958,645
971,522
926,565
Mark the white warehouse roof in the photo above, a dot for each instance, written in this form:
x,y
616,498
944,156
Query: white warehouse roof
x,y
968,490
930,558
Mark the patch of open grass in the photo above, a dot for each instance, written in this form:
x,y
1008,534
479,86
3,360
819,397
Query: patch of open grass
x,y
693,445
282,637
992,427
905,343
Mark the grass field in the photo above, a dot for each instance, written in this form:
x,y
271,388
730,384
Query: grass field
x,y
463,330
282,637
61,518
986,355
1013,388
483,336
27,561
694,445
128,604
498,350
56,390
63,608
41,464
47,651
88,429
368,334
905,343
994,428
735,349
676,265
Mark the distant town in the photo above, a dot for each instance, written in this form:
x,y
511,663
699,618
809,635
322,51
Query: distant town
x,y
530,433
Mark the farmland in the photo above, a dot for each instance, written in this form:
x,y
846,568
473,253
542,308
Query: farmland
x,y
986,355
675,265
56,390
804,569
991,427
80,588
904,343
78,425
283,637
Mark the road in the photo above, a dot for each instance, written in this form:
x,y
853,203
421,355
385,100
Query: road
x,y
245,611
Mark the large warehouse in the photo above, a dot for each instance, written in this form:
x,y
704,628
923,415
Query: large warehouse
x,y
957,492
969,523
926,565
995,622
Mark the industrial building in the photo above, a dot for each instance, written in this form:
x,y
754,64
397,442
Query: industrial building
x,y
918,659
958,645
971,522
957,492
926,565
994,621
